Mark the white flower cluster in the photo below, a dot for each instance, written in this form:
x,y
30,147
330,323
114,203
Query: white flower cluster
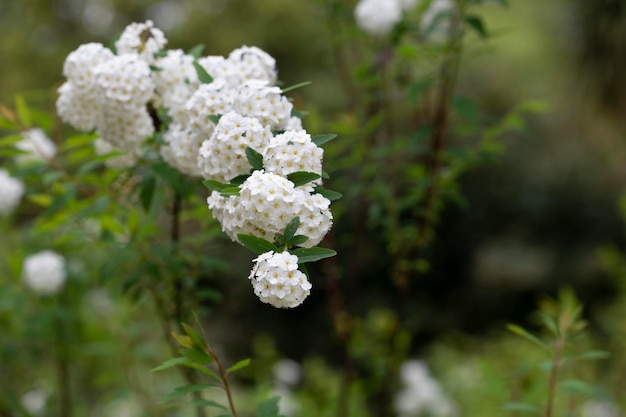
x,y
266,204
422,394
378,17
36,146
11,192
44,272
277,280
210,111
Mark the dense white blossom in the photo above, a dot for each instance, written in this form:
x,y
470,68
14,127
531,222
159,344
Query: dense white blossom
x,y
125,128
122,161
125,81
316,218
175,80
77,109
79,65
223,156
421,393
252,63
181,149
293,151
264,102
11,192
141,38
377,17
277,281
36,146
212,99
44,272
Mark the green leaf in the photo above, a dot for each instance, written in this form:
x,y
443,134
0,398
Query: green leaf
x,y
254,158
302,177
196,51
591,355
520,331
312,254
214,185
22,111
256,244
239,365
268,408
529,408
148,185
170,363
295,86
291,228
329,194
184,390
238,180
203,76
215,118
197,355
319,140
476,23
191,332
298,240
228,191
207,403
575,386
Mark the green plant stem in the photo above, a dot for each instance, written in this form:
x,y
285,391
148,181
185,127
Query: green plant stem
x,y
62,365
556,363
224,376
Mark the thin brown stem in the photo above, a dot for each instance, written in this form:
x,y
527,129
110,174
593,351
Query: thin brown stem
x,y
224,376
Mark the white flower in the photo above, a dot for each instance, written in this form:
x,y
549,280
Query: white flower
x,y
315,218
264,102
36,145
597,408
252,63
11,192
211,99
176,80
223,156
44,272
124,80
122,161
406,5
182,149
377,17
435,20
125,128
34,401
293,151
78,109
421,393
287,373
141,38
277,281
79,65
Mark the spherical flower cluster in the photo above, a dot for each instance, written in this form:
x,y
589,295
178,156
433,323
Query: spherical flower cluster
x,y
242,64
377,17
36,146
315,218
44,272
277,280
264,102
181,149
11,192
293,151
142,39
421,393
223,156
212,99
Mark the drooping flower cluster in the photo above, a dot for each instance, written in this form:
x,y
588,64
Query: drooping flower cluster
x,y
11,192
44,272
212,114
277,280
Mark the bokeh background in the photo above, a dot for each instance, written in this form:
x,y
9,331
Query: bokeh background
x,y
543,214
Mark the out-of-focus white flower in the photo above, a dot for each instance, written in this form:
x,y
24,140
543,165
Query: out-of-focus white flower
x,y
79,65
436,20
181,149
11,192
35,401
408,4
277,280
252,63
36,145
122,161
377,17
44,272
287,372
597,408
141,38
421,393
175,80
